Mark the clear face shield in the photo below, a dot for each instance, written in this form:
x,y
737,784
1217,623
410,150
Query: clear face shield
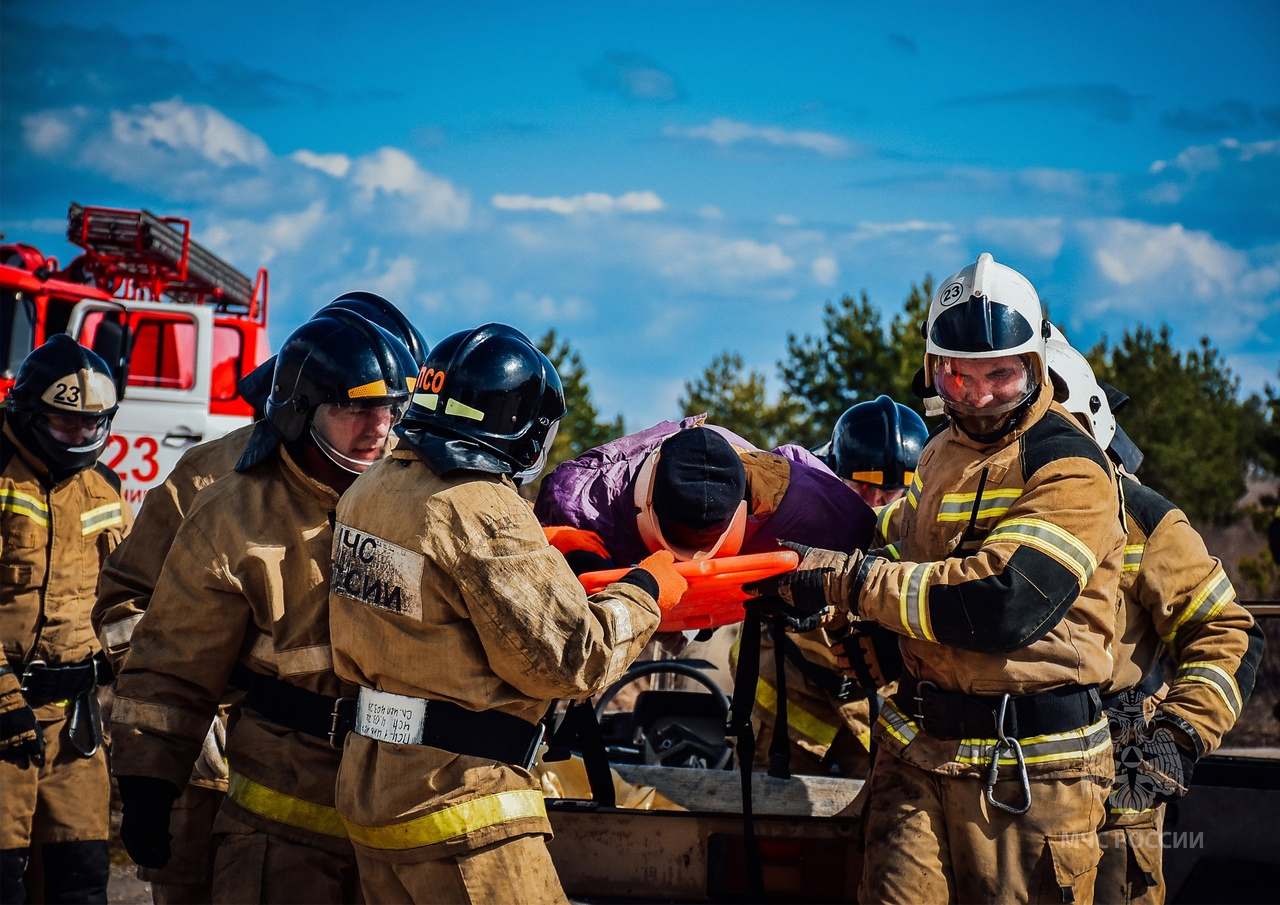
x,y
531,473
984,389
354,434
77,433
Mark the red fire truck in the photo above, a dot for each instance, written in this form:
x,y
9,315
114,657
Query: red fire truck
x,y
178,325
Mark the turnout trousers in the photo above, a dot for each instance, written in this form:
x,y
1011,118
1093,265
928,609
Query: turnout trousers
x,y
517,871
1132,867
932,837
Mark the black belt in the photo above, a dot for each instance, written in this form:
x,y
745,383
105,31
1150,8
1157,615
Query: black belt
x,y
319,715
42,683
827,679
955,715
1149,685
488,734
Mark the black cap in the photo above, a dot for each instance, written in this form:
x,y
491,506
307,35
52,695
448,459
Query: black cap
x,y
699,482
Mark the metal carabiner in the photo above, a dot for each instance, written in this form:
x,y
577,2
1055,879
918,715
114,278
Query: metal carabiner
x,y
27,669
1006,745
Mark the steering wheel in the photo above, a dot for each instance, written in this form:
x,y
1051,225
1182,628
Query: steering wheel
x,y
669,743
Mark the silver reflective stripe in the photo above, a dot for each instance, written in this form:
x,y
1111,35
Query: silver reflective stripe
x,y
1216,678
913,607
1075,743
623,632
108,516
1051,539
1216,594
118,634
958,507
896,723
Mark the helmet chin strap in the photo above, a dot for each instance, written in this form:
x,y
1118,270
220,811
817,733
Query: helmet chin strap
x,y
346,463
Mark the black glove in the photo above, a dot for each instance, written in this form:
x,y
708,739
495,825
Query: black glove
x,y
584,561
21,738
774,609
144,821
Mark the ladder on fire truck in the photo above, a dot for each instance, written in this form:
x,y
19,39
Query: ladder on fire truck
x,y
136,254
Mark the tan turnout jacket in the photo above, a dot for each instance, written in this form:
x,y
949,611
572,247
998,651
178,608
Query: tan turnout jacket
x,y
1175,597
53,541
247,581
1016,599
446,589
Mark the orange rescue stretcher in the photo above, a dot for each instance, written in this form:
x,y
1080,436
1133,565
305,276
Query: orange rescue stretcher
x,y
715,593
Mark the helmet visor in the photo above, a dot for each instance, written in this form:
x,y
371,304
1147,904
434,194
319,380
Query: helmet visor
x,y
354,434
77,433
984,386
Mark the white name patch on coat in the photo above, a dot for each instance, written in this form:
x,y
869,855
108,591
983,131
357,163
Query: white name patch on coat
x,y
376,572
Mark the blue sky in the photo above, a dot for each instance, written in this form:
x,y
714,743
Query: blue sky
x,y
664,181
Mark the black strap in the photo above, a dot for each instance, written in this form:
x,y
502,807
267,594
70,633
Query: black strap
x,y
744,695
285,704
955,715
489,734
42,683
780,740
579,727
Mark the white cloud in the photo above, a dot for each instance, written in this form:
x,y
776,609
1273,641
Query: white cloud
x,y
868,230
591,202
786,220
699,259
262,242
50,132
547,309
825,270
724,132
419,200
178,127
710,212
336,165
1039,237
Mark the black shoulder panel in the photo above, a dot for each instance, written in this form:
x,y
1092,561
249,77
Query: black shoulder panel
x,y
109,475
1055,437
1144,505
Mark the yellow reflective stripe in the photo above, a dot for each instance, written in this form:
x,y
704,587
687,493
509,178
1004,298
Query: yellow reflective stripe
x,y
913,494
798,718
1041,749
1216,678
462,410
451,822
108,516
24,504
1216,594
367,390
957,507
913,607
1048,538
1133,557
882,517
284,808
893,552
896,723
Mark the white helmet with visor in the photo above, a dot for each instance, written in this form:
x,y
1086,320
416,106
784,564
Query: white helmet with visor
x,y
985,341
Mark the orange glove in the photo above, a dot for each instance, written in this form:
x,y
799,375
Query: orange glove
x,y
567,540
671,584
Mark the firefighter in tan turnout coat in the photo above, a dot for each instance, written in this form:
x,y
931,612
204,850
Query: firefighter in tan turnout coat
x,y
242,601
128,582
1176,604
994,755
60,515
460,625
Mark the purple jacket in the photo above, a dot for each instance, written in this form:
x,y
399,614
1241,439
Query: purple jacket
x,y
596,492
